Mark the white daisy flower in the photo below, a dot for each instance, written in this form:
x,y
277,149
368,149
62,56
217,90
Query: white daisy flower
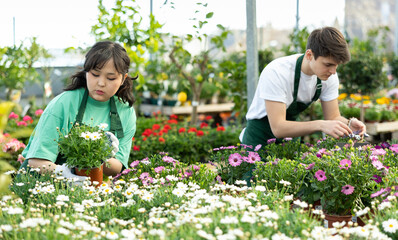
x,y
103,126
391,225
95,136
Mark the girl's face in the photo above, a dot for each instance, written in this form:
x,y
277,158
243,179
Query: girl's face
x,y
103,83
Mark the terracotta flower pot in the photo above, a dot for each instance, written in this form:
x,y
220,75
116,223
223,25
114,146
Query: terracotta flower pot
x,y
95,174
330,219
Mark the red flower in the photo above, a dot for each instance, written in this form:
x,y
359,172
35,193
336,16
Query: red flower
x,y
181,130
144,139
220,128
173,116
155,126
161,139
203,125
167,127
192,129
208,118
172,121
199,133
147,132
136,148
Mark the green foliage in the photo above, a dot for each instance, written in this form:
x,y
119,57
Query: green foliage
x,y
84,147
233,69
277,173
364,72
201,63
16,65
298,42
373,115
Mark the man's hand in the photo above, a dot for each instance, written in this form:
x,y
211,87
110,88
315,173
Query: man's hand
x,y
64,171
336,128
113,142
357,126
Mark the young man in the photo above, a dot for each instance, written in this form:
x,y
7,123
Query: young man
x,y
288,85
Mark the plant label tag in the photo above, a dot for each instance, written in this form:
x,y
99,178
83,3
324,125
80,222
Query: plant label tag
x,y
325,223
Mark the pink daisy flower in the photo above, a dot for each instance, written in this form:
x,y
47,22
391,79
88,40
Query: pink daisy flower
x,y
320,175
252,158
345,163
235,159
159,169
347,189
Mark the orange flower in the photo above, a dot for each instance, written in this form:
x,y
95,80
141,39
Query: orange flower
x,y
342,96
161,139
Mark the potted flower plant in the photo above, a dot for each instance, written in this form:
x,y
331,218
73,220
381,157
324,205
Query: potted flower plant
x,y
86,148
343,177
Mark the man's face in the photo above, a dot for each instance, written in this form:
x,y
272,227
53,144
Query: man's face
x,y
323,67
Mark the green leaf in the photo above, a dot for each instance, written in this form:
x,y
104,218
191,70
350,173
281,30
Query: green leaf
x,y
210,15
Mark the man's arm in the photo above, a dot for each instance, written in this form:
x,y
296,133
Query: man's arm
x,y
282,128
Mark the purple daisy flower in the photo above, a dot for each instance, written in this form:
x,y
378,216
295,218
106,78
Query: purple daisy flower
x,y
378,193
257,147
272,140
235,159
347,189
320,175
134,164
377,178
310,166
168,159
345,163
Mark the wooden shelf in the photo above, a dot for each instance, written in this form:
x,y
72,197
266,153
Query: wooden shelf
x,y
376,128
186,110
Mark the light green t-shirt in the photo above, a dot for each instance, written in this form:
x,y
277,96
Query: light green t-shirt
x,y
61,112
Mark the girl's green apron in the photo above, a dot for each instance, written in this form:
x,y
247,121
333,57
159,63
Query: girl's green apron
x,y
115,126
258,131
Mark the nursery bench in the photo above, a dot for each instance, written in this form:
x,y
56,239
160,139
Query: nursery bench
x,y
186,110
383,128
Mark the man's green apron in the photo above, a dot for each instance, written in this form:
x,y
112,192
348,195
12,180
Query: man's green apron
x,y
115,126
258,131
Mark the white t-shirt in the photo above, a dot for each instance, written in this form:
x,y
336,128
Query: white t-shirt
x,y
276,83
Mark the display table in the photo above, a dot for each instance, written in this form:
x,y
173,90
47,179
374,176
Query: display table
x,y
186,110
383,128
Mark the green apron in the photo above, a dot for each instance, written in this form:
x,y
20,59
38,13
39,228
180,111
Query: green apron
x,y
258,131
115,126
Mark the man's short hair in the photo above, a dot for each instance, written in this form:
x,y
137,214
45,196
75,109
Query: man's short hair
x,y
329,42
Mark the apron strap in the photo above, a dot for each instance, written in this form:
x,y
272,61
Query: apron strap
x,y
82,108
116,124
297,75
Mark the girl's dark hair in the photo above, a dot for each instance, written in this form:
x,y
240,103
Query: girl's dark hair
x,y
96,58
329,42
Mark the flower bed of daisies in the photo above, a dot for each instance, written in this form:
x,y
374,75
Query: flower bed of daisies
x,y
160,197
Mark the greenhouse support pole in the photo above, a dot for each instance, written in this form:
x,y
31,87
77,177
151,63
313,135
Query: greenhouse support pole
x,y
251,52
396,28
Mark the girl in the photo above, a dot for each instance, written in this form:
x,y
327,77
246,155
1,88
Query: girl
x,y
100,93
